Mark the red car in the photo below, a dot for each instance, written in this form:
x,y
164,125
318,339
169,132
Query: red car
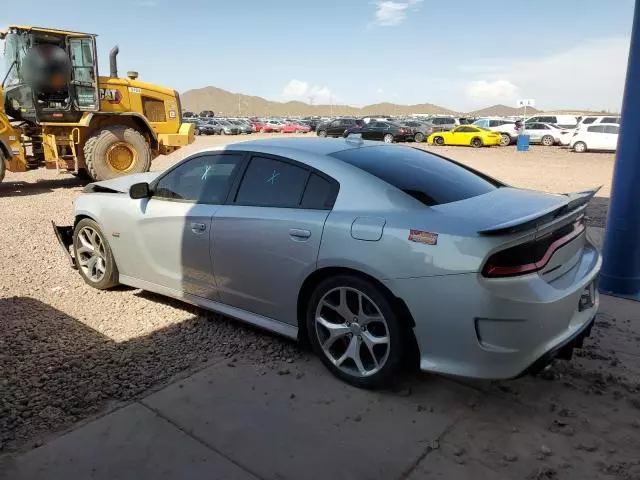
x,y
293,127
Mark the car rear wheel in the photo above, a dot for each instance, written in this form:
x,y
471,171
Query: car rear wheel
x,y
355,331
438,141
322,133
580,147
93,255
505,139
418,137
548,141
476,142
388,138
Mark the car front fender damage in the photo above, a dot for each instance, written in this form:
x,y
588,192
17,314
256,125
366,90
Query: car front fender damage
x,y
65,239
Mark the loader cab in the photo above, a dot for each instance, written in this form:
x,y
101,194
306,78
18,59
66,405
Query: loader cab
x,y
51,75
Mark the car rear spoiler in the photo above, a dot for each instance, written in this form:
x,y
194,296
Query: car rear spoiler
x,y
575,201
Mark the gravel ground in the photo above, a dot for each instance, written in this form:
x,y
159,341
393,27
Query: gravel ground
x,y
68,352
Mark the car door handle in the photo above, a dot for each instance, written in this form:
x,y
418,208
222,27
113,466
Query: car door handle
x,y
198,227
298,234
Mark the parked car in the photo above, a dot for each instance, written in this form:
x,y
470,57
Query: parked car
x,y
595,137
242,126
598,119
207,113
188,114
545,133
468,135
421,131
442,124
203,127
382,131
564,121
300,127
272,126
337,127
227,128
372,253
506,128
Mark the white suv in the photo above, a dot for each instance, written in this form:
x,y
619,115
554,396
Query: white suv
x,y
506,128
595,137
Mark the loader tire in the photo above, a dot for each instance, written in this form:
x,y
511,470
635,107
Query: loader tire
x,y
116,150
3,167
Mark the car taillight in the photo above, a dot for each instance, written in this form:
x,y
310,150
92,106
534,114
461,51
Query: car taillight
x,y
531,256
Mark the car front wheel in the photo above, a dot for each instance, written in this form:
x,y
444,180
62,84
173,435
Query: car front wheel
x,y
580,147
548,141
418,137
355,331
438,140
93,255
388,138
322,133
505,140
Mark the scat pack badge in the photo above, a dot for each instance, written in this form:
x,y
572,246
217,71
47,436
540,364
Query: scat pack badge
x,y
419,236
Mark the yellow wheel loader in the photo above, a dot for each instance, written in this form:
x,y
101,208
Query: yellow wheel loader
x,y
57,112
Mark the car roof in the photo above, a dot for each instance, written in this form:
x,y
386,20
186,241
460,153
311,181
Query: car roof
x,y
317,146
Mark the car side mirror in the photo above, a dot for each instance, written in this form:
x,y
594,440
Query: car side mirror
x,y
139,190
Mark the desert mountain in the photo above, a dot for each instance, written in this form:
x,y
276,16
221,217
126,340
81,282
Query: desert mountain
x,y
223,103
501,111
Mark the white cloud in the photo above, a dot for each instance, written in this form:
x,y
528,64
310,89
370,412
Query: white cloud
x,y
589,75
301,90
497,89
390,13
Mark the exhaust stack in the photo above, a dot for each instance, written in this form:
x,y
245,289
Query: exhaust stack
x,y
113,62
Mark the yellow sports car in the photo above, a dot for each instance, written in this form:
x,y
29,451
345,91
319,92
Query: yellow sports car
x,y
466,135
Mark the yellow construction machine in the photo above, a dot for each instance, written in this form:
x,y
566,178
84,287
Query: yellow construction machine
x,y
55,111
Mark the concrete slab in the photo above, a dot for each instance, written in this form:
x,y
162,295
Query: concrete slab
x,y
304,423
132,443
438,466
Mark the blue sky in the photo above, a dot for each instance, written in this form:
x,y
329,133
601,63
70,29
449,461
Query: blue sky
x,y
461,54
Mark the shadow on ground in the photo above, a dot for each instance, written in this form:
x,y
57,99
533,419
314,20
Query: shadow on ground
x,y
23,189
577,420
597,212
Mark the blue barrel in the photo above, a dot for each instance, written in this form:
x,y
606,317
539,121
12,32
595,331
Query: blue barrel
x,y
523,143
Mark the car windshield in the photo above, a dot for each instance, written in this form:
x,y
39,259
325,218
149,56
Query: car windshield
x,y
15,47
428,178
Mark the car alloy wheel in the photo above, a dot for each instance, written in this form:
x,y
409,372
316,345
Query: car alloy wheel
x,y
580,147
548,141
91,254
352,332
419,137
388,138
476,143
505,140
322,133
438,141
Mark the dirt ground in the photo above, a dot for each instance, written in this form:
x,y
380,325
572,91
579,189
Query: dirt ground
x,y
68,352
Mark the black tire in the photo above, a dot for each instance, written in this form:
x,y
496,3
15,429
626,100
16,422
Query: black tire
x,y
398,345
97,147
476,142
111,274
83,175
505,139
548,141
3,167
322,133
438,140
418,137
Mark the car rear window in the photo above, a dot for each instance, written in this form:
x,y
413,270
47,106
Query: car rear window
x,y
431,179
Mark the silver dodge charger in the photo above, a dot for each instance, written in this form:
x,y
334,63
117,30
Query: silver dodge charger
x,y
372,253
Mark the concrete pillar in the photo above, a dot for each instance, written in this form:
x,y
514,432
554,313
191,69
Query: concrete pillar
x,y
621,268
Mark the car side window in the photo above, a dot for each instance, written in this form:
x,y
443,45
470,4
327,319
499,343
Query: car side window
x,y
494,123
335,123
204,179
596,129
615,129
319,193
272,183
588,120
610,120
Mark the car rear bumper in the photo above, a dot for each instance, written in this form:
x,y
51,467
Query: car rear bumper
x,y
469,326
